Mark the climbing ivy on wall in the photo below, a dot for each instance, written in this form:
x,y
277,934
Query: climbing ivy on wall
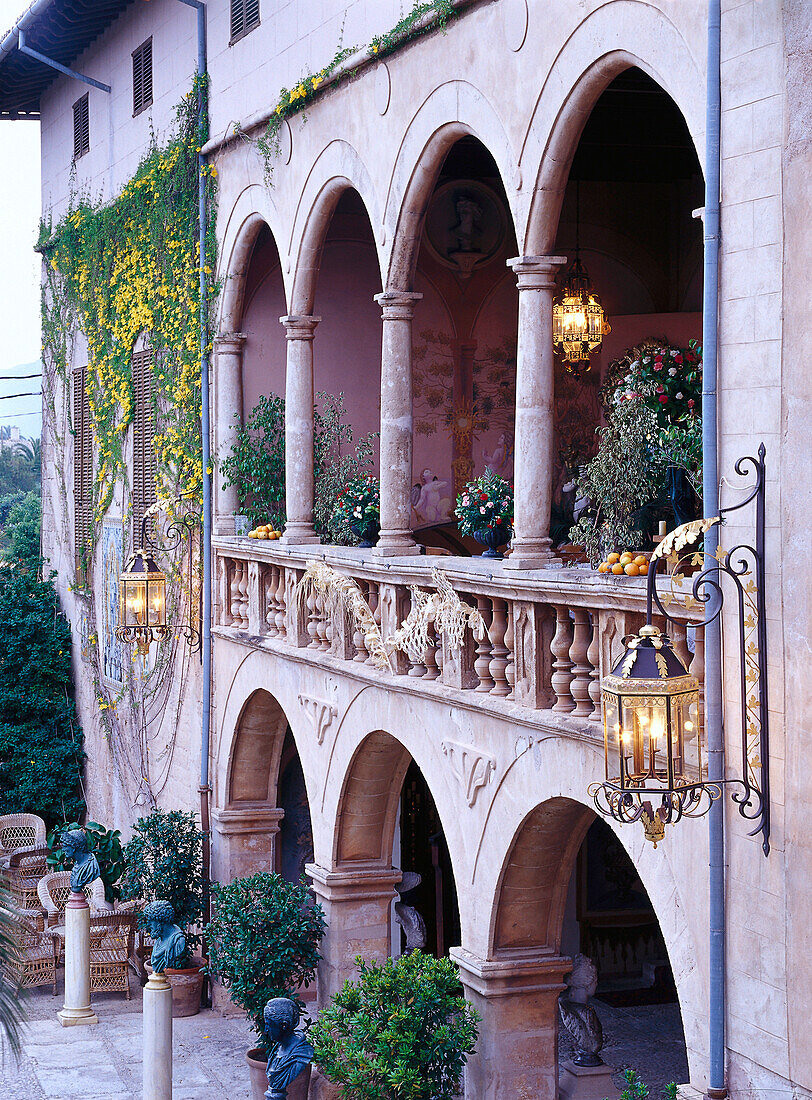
x,y
127,268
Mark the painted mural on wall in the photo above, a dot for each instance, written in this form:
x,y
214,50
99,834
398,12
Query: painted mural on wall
x,y
112,650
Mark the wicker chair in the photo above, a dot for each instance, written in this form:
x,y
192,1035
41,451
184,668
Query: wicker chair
x,y
20,831
53,891
112,938
33,951
25,868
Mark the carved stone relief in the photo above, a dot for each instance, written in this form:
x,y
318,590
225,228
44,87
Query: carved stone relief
x,y
472,767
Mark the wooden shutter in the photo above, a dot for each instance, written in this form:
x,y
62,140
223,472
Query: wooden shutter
x,y
244,17
142,77
143,473
82,472
81,128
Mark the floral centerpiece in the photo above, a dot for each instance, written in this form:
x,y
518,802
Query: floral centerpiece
x,y
669,380
485,511
358,509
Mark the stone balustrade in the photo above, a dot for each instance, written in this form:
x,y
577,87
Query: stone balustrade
x,y
550,634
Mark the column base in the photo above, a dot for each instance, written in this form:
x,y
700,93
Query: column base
x,y
76,1017
531,554
299,535
394,544
586,1083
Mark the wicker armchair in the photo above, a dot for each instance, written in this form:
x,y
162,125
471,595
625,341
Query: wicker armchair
x,y
54,890
20,831
112,939
32,952
25,868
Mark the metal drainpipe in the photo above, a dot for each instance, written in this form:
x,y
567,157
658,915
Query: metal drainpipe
x,y
710,501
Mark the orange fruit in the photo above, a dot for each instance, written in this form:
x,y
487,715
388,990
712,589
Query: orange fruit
x,y
603,567
643,569
617,569
640,560
626,558
612,558
631,569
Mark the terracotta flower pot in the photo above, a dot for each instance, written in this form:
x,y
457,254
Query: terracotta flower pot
x,y
187,987
297,1089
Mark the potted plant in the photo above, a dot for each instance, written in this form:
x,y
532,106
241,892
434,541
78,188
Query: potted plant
x,y
401,1030
164,860
263,942
485,511
358,508
105,844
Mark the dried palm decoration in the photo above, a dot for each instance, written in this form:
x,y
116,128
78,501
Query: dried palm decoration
x,y
451,616
684,535
342,595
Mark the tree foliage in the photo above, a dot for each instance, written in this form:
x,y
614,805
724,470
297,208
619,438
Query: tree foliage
x,y
401,1032
23,529
41,753
264,941
636,1090
164,859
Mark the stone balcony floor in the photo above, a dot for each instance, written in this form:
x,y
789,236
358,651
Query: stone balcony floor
x,y
104,1061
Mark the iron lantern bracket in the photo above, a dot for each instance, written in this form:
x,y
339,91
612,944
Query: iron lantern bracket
x,y
179,531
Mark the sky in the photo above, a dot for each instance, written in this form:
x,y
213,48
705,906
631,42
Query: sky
x,y
19,264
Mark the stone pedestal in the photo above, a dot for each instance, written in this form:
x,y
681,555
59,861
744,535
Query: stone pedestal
x,y
228,351
587,1083
299,332
76,1010
395,538
535,396
517,998
157,1046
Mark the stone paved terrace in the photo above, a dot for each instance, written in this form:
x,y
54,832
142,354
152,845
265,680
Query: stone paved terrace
x,y
105,1059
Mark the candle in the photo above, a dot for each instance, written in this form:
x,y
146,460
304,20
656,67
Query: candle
x,y
661,531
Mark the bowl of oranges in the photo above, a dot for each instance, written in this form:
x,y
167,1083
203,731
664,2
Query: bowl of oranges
x,y
628,564
265,531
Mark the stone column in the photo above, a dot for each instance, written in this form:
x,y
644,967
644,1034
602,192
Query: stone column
x,y
517,1051
535,395
157,1044
228,351
299,332
76,1009
397,307
244,841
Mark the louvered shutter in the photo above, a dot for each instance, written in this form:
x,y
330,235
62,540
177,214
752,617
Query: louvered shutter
x,y
143,473
244,17
142,77
82,472
81,128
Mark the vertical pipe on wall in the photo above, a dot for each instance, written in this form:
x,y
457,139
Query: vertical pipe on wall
x,y
710,500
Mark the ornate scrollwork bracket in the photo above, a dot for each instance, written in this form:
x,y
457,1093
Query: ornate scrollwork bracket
x,y
179,530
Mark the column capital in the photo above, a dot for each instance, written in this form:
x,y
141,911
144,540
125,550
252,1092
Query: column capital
x,y
299,326
536,272
232,342
349,884
530,973
398,305
234,821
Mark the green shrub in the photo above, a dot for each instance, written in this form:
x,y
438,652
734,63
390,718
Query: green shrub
x,y
23,531
401,1031
164,860
256,466
636,1090
41,753
264,941
104,843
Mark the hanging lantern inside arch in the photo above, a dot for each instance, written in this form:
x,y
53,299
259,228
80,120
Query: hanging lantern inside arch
x,y
579,321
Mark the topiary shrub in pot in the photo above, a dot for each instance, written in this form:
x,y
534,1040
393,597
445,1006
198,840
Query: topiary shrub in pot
x,y
263,942
164,860
403,1030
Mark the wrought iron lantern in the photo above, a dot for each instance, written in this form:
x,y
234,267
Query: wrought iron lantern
x,y
142,602
652,736
579,322
142,587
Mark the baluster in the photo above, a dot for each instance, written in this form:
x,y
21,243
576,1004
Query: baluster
x,y
430,659
679,641
373,599
581,668
312,628
358,636
499,650
510,642
482,663
321,623
269,582
281,612
562,666
244,594
593,655
234,593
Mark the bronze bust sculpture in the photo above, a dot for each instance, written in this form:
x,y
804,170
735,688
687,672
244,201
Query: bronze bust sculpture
x,y
85,865
168,941
293,1052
